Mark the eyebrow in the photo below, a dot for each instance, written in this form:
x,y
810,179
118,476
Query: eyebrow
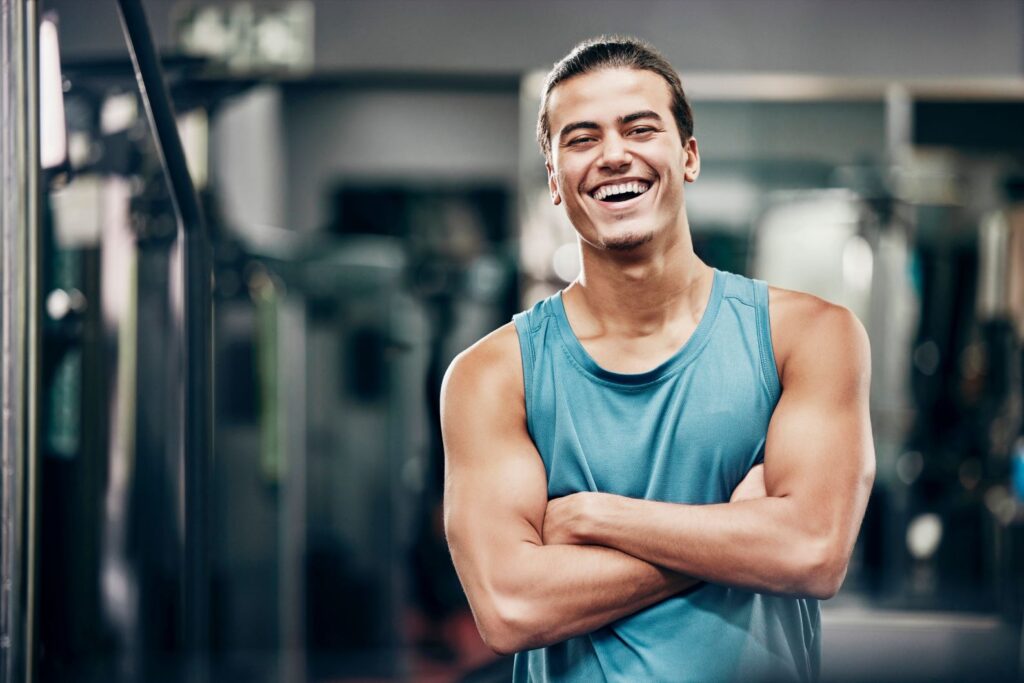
x,y
590,125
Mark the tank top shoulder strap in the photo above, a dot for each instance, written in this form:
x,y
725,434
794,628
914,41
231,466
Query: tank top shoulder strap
x,y
764,339
754,293
526,323
525,331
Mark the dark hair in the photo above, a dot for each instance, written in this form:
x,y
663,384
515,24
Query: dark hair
x,y
607,52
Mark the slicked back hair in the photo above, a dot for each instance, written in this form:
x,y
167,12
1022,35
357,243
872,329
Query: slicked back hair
x,y
610,52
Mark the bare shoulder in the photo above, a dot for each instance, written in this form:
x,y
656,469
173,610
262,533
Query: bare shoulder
x,y
492,467
487,374
810,333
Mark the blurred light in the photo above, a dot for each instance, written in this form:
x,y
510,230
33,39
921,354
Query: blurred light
x,y
545,228
929,176
53,143
926,357
909,467
245,35
566,262
801,240
994,261
77,210
1001,504
193,129
724,200
207,33
119,112
486,277
119,595
533,84
277,42
858,263
80,149
60,302
924,535
537,291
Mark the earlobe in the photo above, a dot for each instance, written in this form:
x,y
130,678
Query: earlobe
x,y
692,170
556,199
692,162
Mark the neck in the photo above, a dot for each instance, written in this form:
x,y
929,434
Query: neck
x,y
643,293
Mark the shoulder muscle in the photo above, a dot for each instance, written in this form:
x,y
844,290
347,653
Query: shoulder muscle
x,y
495,483
813,336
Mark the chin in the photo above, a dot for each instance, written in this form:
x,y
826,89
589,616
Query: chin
x,y
627,241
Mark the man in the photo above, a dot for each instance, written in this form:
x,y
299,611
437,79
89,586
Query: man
x,y
604,500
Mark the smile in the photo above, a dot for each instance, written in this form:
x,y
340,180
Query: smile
x,y
620,196
620,192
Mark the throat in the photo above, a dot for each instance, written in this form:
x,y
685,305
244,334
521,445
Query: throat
x,y
639,313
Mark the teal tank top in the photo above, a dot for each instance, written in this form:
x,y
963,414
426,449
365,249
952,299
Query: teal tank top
x,y
686,431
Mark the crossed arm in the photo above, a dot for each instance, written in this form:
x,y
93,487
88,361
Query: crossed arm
x,y
538,572
523,593
818,468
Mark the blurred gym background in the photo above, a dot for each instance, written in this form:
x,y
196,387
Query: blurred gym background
x,y
223,340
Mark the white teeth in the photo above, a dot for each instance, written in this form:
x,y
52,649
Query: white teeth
x,y
636,187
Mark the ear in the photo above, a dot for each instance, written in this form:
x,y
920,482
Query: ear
x,y
692,167
556,198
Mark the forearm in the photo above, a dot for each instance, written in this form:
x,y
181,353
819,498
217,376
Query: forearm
x,y
545,594
763,545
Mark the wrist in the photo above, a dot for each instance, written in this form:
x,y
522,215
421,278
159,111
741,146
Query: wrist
x,y
594,516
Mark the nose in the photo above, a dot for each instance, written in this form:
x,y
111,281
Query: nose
x,y
615,154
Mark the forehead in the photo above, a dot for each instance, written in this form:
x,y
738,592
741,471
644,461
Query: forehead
x,y
606,94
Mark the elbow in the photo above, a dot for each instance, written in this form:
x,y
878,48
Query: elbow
x,y
823,574
502,626
502,645
498,636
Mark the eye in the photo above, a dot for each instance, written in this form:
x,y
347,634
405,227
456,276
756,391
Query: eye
x,y
641,130
580,140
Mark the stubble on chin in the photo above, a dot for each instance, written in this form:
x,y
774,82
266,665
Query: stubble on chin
x,y
628,241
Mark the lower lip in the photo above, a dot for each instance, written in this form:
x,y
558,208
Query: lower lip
x,y
621,206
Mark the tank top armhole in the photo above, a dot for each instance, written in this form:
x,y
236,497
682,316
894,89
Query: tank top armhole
x,y
769,371
522,322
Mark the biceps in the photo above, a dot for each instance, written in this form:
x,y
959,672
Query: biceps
x,y
494,509
819,453
504,499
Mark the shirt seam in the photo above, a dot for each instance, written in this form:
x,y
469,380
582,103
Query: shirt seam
x,y
587,374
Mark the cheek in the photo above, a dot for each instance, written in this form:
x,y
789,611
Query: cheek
x,y
567,181
673,178
570,170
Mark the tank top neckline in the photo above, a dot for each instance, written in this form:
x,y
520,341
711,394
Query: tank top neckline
x,y
689,350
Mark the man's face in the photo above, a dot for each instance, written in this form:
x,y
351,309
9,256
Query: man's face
x,y
617,160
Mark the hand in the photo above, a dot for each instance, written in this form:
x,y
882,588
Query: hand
x,y
751,487
565,518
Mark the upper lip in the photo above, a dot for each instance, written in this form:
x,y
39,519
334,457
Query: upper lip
x,y
619,181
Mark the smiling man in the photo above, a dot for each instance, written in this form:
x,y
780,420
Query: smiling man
x,y
658,472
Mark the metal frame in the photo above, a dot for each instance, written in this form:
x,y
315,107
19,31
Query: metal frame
x,y
19,333
194,319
